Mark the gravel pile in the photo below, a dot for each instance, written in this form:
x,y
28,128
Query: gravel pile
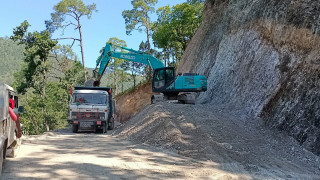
x,y
206,134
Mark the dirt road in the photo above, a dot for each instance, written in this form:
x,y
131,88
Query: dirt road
x,y
167,141
63,155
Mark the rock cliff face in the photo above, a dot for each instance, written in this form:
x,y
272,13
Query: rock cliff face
x,y
262,60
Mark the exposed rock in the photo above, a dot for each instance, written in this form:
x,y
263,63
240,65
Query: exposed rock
x,y
261,58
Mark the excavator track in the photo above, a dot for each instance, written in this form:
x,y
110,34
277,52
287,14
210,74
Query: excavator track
x,y
183,98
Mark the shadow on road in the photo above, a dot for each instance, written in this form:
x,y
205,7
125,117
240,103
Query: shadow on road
x,y
63,155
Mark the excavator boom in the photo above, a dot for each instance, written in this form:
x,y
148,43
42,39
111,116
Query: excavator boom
x,y
132,55
164,80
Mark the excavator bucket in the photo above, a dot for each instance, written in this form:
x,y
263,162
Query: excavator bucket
x,y
92,83
96,83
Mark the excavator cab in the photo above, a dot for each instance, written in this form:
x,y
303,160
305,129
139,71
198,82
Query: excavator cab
x,y
162,78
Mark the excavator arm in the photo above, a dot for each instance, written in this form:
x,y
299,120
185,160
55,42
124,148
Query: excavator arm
x,y
165,81
131,55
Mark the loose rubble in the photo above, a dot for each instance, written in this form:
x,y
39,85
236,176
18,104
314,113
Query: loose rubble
x,y
206,134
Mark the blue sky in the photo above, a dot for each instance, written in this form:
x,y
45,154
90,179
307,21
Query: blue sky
x,y
107,22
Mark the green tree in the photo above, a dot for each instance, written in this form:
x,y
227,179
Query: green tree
x,y
152,52
67,73
69,13
57,102
45,79
123,75
37,50
33,119
175,27
117,66
139,17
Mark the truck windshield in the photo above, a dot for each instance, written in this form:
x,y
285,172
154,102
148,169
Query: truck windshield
x,y
85,98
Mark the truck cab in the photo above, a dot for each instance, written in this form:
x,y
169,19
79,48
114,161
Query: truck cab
x,y
91,109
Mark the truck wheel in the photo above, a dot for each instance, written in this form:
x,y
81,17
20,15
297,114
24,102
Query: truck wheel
x,y
111,124
74,128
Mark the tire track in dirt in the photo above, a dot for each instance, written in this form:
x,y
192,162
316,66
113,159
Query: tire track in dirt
x,y
63,155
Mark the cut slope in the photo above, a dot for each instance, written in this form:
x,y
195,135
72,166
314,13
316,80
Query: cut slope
x,y
261,58
131,103
236,145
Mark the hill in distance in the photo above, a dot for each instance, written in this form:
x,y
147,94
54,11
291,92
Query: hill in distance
x,y
11,60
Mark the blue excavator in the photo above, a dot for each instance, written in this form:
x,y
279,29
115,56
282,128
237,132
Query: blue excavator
x,y
165,81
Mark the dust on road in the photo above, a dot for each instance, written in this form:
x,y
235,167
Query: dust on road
x,y
63,155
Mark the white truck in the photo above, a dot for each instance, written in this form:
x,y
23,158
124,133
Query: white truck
x,y
9,143
91,109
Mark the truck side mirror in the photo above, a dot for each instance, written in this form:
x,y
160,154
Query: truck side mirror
x,y
21,109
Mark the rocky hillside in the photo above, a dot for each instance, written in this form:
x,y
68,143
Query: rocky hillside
x,y
261,58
